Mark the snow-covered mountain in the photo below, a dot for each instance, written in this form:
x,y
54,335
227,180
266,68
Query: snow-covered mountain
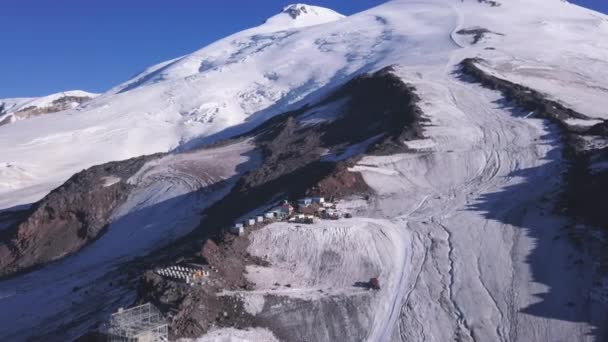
x,y
15,109
260,72
454,202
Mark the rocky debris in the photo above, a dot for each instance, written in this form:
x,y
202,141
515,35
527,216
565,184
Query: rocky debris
x,y
228,259
492,3
380,104
524,97
190,310
295,11
194,310
340,183
58,105
62,103
68,218
380,113
7,120
478,33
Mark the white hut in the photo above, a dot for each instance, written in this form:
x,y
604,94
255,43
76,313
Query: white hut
x,y
260,219
237,229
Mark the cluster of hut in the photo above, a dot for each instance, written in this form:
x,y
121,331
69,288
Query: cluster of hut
x,y
189,274
306,211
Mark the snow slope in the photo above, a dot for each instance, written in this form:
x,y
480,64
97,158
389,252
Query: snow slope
x,y
322,263
260,72
496,264
494,269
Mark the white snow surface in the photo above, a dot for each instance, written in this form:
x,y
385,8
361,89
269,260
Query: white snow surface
x,y
472,251
247,77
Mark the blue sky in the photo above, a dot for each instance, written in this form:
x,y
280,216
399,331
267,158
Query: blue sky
x,y
53,45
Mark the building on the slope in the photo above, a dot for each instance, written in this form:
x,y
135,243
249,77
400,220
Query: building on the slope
x,y
329,214
308,201
281,212
304,202
142,323
301,218
191,274
237,229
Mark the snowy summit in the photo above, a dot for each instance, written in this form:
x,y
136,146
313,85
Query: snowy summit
x,y
301,15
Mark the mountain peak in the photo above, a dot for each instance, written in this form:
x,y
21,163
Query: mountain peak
x,y
301,15
295,10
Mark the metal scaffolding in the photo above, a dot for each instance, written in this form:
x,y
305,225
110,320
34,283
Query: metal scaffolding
x,y
142,323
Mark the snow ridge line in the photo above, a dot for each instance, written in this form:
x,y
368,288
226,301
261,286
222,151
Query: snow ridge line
x,y
459,25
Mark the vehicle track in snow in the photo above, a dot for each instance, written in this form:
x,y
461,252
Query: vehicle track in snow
x,y
482,270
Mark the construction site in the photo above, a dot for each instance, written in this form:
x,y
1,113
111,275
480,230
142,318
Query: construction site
x,y
142,323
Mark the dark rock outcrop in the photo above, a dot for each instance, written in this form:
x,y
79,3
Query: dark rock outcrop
x,y
379,114
57,105
295,11
492,3
585,195
68,218
523,97
478,33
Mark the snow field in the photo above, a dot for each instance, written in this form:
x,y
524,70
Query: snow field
x,y
327,263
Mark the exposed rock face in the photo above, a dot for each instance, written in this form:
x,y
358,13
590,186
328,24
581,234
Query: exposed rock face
x,y
585,196
68,218
492,3
295,11
341,183
478,33
192,311
58,105
524,97
380,112
63,103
